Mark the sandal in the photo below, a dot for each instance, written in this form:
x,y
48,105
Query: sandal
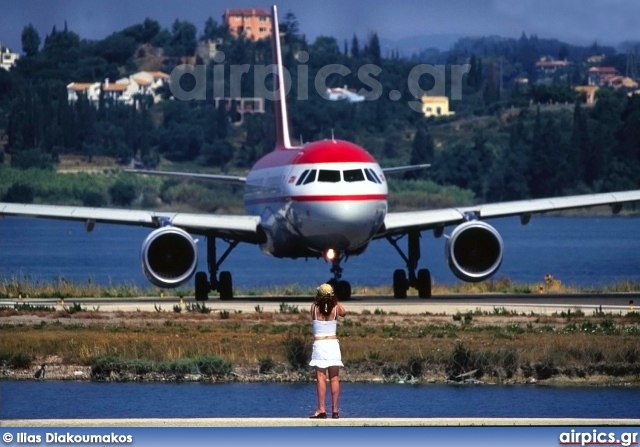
x,y
335,415
318,415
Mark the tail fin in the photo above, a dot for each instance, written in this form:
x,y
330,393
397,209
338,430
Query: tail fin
x,y
282,121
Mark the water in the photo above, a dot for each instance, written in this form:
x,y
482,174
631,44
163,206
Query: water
x,y
73,400
577,250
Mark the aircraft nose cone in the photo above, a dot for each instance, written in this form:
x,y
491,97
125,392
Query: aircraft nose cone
x,y
343,225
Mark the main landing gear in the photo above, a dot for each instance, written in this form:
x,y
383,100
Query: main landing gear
x,y
341,288
421,281
223,283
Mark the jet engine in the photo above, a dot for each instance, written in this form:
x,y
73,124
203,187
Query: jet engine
x,y
474,251
169,257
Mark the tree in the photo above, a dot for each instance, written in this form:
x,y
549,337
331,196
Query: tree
x,y
222,124
19,193
30,40
122,193
63,47
603,122
508,179
491,92
213,31
291,27
355,47
485,156
374,49
549,167
422,151
183,39
116,48
580,156
31,158
151,28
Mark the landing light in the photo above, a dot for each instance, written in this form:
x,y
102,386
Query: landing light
x,y
330,254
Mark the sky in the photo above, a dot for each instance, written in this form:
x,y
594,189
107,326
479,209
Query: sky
x,y
608,22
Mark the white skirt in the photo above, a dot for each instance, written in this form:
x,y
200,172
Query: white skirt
x,y
326,353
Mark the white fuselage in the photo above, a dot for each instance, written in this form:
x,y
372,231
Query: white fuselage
x,y
307,208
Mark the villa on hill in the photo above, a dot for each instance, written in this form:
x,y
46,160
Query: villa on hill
x,y
123,91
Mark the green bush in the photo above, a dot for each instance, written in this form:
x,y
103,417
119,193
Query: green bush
x,y
297,348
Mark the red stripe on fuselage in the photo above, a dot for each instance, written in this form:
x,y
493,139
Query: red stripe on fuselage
x,y
326,151
319,198
339,198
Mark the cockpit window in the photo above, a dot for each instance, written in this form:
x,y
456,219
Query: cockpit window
x,y
302,176
310,178
371,176
353,175
328,176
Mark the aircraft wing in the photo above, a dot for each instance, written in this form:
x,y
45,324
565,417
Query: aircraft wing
x,y
242,228
397,169
398,223
233,179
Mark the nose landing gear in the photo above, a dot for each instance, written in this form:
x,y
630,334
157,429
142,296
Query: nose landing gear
x,y
341,287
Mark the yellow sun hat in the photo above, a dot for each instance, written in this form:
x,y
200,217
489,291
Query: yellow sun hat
x,y
325,290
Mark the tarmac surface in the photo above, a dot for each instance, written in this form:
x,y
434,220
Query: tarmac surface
x,y
542,304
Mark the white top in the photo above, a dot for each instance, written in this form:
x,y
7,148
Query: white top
x,y
324,328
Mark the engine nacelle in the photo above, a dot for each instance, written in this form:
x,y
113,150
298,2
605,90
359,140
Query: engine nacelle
x,y
169,257
474,251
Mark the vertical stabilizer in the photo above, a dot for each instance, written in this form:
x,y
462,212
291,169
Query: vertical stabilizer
x,y
282,121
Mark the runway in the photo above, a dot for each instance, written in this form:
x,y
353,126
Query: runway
x,y
543,304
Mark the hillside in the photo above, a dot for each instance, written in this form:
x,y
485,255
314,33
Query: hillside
x,y
508,139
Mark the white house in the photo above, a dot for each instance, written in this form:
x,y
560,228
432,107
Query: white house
x,y
8,59
123,90
340,94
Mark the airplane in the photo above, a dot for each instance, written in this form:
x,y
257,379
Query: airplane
x,y
322,199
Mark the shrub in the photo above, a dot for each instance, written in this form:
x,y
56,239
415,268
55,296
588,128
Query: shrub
x,y
266,365
297,348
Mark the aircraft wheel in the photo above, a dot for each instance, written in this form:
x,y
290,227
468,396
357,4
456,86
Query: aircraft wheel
x,y
202,286
343,290
399,284
225,286
424,283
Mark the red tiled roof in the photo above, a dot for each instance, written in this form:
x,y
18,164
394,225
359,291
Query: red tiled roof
x,y
159,74
79,86
603,70
114,87
552,63
247,12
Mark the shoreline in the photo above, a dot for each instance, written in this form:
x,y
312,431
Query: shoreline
x,y
251,374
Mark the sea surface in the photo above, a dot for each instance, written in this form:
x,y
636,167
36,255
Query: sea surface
x,y
583,251
75,400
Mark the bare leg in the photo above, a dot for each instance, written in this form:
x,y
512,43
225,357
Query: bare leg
x,y
334,377
321,386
